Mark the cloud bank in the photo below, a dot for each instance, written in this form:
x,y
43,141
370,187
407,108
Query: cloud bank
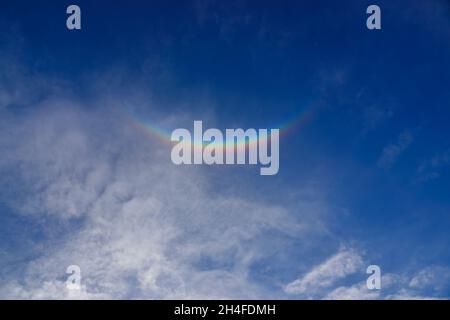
x,y
106,197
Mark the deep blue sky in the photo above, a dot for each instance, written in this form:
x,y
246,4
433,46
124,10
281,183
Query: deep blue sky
x,y
377,144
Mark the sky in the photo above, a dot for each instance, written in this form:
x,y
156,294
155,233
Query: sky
x,y
86,177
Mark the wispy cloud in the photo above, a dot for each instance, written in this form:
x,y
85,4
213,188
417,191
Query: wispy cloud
x,y
325,275
358,291
136,225
392,152
343,277
431,168
374,115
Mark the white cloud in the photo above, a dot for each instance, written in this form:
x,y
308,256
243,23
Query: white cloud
x,y
431,169
374,115
343,277
323,276
138,226
391,153
436,277
142,227
355,292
